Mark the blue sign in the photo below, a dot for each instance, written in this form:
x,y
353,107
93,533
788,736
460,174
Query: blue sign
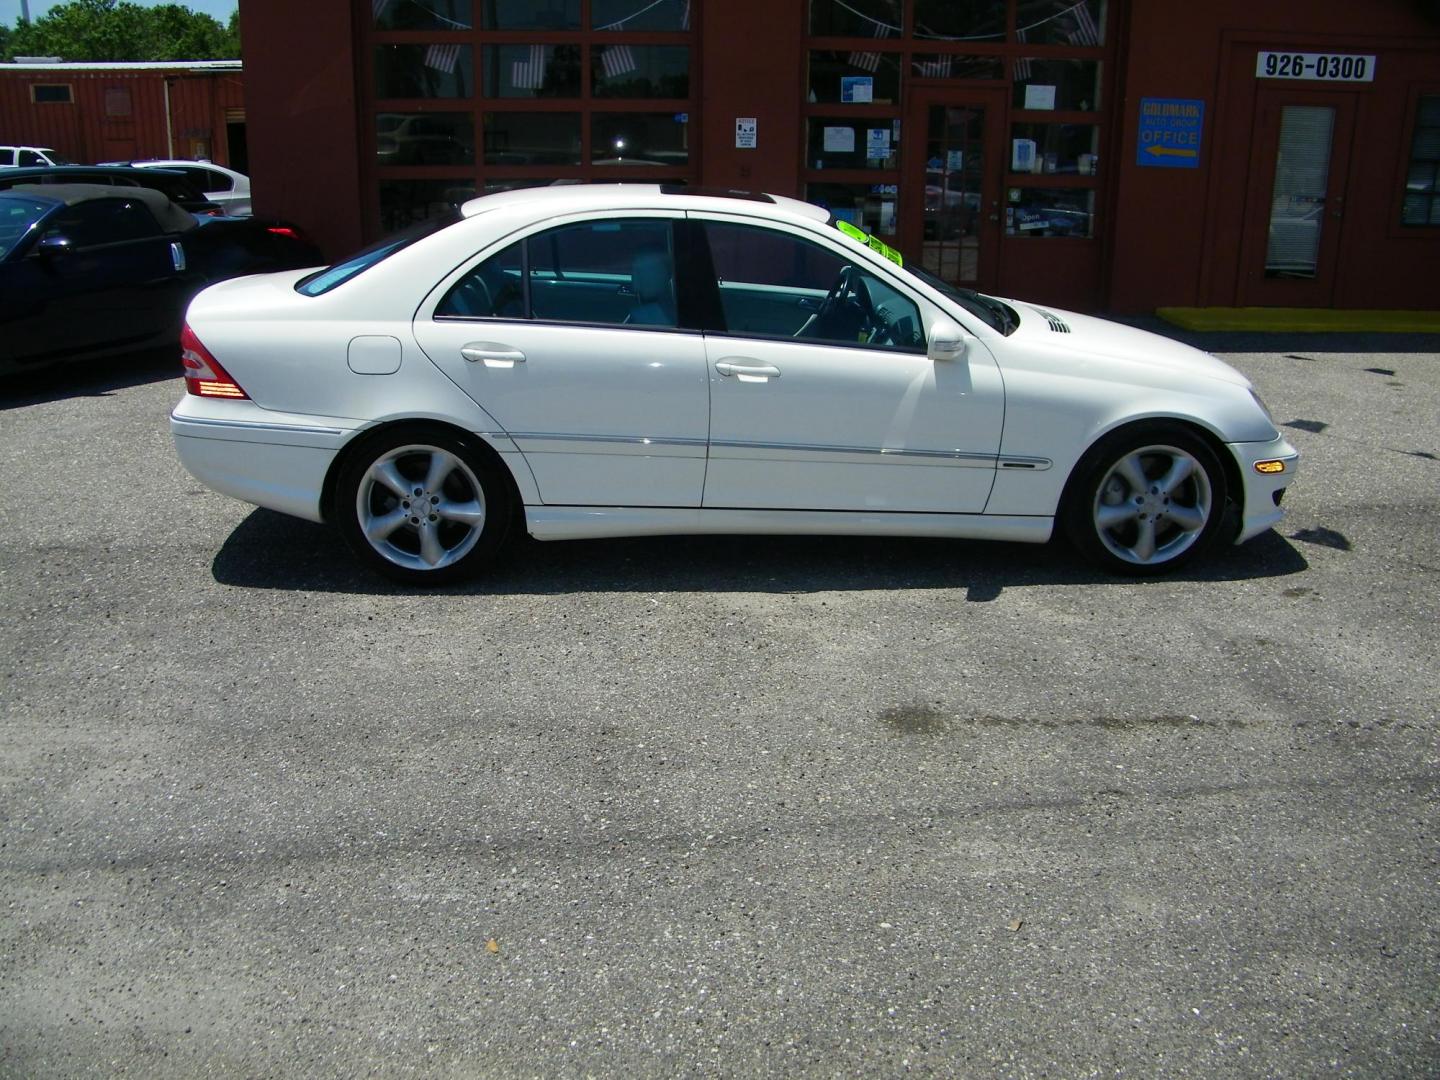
x,y
857,89
1170,130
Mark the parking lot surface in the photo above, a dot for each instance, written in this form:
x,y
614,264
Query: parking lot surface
x,y
722,806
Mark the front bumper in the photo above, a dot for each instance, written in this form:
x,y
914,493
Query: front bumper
x,y
275,460
1260,497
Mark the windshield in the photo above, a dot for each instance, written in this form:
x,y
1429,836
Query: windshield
x,y
323,281
1001,316
17,216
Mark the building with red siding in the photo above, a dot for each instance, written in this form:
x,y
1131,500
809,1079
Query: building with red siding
x,y
1100,154
127,111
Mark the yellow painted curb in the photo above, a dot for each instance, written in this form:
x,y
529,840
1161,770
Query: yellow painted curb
x,y
1302,320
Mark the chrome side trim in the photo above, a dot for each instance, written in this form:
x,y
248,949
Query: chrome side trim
x,y
1019,462
807,448
255,425
622,440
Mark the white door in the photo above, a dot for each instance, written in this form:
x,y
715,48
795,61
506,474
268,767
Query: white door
x,y
821,395
571,346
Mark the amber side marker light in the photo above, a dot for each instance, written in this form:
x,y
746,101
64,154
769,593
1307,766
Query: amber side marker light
x,y
1269,466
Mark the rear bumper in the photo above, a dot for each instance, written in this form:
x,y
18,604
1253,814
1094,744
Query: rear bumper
x,y
275,460
1261,491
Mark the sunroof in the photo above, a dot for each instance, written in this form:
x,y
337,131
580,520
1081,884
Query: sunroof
x,y
716,193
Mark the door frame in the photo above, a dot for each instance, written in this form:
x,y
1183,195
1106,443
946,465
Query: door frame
x,y
1254,289
919,99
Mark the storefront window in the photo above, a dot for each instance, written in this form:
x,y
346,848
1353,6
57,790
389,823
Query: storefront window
x,y
530,14
870,206
404,202
855,18
424,71
1061,22
1055,148
855,78
947,66
1422,181
532,71
532,138
1040,212
960,20
640,71
422,14
633,15
495,186
639,139
446,138
1056,84
836,143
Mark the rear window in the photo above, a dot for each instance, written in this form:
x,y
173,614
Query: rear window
x,y
322,281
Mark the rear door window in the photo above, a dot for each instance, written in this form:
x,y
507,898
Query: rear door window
x,y
612,272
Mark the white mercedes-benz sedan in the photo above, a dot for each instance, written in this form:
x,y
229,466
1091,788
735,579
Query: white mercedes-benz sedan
x,y
626,360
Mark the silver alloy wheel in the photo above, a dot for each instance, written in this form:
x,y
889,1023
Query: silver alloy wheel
x,y
1152,505
420,507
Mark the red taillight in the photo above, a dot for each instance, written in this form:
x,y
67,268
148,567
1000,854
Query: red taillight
x,y
204,377
285,230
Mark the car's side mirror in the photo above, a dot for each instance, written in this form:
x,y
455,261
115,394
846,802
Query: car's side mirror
x,y
54,247
946,341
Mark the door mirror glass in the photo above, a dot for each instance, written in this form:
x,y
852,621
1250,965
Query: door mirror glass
x,y
54,247
947,341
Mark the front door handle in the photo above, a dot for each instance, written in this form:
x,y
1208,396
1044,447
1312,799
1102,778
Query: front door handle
x,y
747,370
492,354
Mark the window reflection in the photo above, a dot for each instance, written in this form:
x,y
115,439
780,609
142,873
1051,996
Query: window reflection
x,y
425,138
855,18
530,14
946,66
640,71
855,78
1061,22
1056,84
440,70
532,138
1042,212
404,202
869,206
1055,148
838,143
632,15
422,14
960,20
532,71
639,139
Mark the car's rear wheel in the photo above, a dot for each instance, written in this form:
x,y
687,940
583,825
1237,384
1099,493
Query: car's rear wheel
x,y
423,505
1146,500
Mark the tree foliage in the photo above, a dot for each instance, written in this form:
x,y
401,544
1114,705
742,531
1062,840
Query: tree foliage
x,y
99,30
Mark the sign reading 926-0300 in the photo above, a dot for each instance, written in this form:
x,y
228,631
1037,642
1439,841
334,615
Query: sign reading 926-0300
x,y
1323,67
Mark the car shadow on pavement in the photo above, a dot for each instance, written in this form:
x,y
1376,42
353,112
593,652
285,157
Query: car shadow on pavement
x,y
88,378
272,551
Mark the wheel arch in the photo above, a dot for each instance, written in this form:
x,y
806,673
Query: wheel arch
x,y
1234,482
377,431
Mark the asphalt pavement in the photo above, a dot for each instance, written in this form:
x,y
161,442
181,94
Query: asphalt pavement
x,y
722,806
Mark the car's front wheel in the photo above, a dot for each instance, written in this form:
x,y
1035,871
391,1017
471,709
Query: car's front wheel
x,y
1146,500
422,505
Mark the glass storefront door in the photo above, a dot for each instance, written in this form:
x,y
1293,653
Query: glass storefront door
x,y
1296,202
951,200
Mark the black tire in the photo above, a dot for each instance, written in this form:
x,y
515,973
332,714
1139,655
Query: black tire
x,y
1108,515
387,479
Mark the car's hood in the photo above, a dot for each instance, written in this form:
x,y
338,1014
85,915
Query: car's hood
x,y
1100,337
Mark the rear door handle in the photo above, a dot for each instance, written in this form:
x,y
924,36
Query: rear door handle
x,y
747,370
492,354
